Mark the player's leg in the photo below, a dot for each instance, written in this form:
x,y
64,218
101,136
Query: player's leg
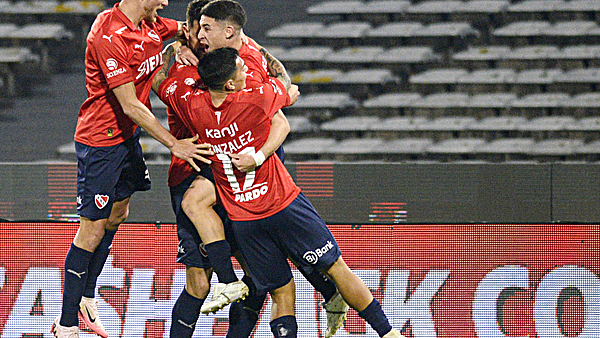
x,y
283,319
186,310
133,177
243,315
306,235
333,303
187,307
198,203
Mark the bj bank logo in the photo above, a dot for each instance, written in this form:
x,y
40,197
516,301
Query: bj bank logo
x,y
312,257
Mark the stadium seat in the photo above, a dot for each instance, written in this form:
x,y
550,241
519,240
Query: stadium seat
x,y
436,80
528,57
535,80
580,56
316,76
381,11
577,81
300,125
506,149
541,104
398,127
481,57
582,105
474,11
353,149
359,55
447,127
585,128
354,125
556,149
486,80
391,103
295,30
393,33
490,104
334,7
496,126
441,104
533,9
431,11
455,149
320,103
311,148
341,33
16,66
402,149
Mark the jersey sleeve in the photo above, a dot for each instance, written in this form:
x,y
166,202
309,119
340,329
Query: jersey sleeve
x,y
274,96
170,91
113,62
166,27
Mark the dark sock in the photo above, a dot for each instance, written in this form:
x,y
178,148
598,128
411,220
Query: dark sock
x,y
374,315
97,263
243,315
284,327
322,284
185,315
76,273
219,254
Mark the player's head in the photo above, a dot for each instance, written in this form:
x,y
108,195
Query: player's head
x,y
150,8
192,26
223,70
221,24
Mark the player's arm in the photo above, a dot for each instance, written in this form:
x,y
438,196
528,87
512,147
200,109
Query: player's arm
x,y
275,67
280,128
185,149
163,72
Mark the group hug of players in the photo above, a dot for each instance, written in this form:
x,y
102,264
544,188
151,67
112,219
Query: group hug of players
x,y
230,191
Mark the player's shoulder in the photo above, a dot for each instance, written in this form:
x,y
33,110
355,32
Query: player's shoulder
x,y
108,28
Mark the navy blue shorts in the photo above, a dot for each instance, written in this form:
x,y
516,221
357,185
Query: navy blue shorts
x,y
297,232
190,251
109,174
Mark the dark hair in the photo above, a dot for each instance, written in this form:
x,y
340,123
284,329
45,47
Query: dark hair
x,y
222,10
194,10
218,66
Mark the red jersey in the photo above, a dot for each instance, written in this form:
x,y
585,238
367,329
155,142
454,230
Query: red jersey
x,y
240,125
257,73
117,52
179,169
257,65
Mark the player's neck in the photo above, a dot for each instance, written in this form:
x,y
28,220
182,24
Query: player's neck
x,y
218,97
132,11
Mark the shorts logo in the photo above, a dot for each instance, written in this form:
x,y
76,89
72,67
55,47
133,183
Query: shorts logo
x,y
101,201
312,257
203,250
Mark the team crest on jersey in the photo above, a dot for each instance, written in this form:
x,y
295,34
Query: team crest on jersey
x,y
101,201
152,34
171,89
189,81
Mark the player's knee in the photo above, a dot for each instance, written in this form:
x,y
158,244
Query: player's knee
x,y
195,203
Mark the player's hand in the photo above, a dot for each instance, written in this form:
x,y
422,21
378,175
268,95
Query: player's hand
x,y
188,150
185,56
294,93
243,162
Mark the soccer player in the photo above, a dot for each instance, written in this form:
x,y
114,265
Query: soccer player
x,y
244,315
221,25
123,52
271,217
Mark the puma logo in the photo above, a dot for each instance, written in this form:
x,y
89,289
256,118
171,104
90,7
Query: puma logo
x,y
191,326
78,274
140,46
107,37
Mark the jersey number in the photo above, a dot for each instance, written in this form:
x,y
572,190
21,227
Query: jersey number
x,y
228,168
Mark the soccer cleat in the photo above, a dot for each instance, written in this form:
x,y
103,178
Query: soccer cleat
x,y
393,334
60,331
336,310
225,294
88,312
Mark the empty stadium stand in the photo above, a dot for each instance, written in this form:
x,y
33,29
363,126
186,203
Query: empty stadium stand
x,y
474,80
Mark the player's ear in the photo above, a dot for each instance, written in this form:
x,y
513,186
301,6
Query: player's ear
x,y
229,85
229,32
186,30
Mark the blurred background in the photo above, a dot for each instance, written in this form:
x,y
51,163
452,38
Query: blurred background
x,y
381,80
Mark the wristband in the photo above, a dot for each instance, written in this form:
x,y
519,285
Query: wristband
x,y
259,158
